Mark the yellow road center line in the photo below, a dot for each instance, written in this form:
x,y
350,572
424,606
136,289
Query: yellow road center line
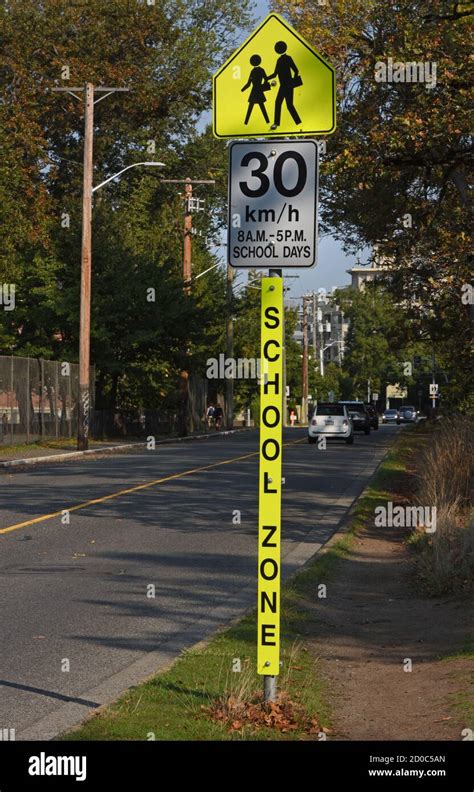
x,y
129,490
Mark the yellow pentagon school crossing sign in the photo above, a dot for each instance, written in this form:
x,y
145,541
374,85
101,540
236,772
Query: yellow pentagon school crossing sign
x,y
274,85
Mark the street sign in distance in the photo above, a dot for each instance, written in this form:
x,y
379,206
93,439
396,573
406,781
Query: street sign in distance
x,y
273,191
433,389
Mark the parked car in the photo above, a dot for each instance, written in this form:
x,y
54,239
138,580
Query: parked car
x,y
408,414
330,420
359,415
391,416
374,418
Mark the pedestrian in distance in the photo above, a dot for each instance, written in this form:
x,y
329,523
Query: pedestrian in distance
x,y
289,78
3,426
259,82
209,415
218,416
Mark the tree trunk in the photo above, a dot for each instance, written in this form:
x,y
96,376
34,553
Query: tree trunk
x,y
113,392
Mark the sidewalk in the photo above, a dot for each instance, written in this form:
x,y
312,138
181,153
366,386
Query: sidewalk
x,y
31,450
57,450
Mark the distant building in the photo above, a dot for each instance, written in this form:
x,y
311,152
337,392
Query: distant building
x,y
327,325
363,273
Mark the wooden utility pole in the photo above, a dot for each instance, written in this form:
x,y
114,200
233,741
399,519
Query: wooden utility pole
x,y
188,230
229,383
304,373
83,413
86,255
188,225
187,279
315,319
187,276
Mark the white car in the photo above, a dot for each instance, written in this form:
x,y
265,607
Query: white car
x,y
330,420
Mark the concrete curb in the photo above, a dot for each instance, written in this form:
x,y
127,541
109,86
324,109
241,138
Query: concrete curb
x,y
345,525
110,449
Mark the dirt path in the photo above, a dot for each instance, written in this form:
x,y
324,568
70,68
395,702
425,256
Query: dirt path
x,y
371,622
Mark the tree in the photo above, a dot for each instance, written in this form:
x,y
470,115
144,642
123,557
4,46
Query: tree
x,y
321,385
380,348
165,54
396,172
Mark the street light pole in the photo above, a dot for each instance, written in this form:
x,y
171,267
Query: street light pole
x,y
322,351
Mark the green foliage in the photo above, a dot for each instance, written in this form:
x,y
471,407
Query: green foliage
x,y
247,345
320,386
396,170
165,54
247,310
379,344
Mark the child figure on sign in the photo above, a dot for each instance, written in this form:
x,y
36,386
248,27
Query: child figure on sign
x,y
259,82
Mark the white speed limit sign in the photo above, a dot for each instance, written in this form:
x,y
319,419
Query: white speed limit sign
x,y
273,190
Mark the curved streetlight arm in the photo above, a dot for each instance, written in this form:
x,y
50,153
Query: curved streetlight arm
x,y
246,284
207,270
134,165
331,344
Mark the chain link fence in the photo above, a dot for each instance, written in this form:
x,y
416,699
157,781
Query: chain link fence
x,y
159,422
38,399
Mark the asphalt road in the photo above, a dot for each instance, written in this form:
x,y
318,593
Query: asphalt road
x,y
78,591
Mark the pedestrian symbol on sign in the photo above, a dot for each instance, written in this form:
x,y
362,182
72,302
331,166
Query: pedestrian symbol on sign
x,y
289,78
259,82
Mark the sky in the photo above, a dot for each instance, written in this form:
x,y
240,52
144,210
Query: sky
x,y
332,262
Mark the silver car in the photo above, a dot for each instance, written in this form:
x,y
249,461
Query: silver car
x,y
408,414
391,416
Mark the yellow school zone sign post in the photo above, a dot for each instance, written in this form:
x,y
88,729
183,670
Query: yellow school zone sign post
x,y
269,509
274,85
